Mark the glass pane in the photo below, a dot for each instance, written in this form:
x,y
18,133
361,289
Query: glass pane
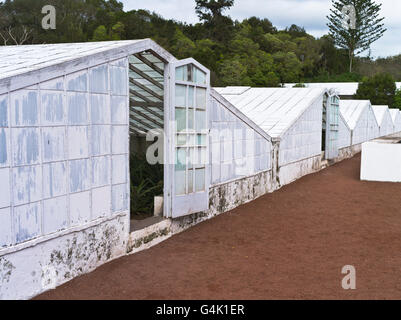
x,y
200,157
191,96
180,94
181,139
200,76
191,119
191,140
180,182
190,181
180,171
191,158
181,119
181,159
201,98
190,73
200,120
201,140
181,73
200,179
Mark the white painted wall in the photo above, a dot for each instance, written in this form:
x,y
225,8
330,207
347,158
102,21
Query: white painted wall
x,y
373,126
360,132
381,162
236,149
397,121
387,126
63,164
344,133
304,139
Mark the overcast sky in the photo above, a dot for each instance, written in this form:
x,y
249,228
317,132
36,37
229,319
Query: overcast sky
x,y
310,14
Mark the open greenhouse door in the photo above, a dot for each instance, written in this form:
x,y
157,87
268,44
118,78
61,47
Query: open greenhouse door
x,y
332,127
188,138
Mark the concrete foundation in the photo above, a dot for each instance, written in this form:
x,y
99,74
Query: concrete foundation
x,y
44,264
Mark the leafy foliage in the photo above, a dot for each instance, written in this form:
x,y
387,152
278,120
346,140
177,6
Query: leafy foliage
x,y
250,52
146,183
379,89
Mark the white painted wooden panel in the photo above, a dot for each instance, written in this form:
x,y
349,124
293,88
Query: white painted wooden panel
x,y
56,164
236,150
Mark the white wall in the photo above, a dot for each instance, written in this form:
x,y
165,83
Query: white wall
x,y
236,150
373,126
397,123
344,134
360,132
381,162
387,126
64,158
304,139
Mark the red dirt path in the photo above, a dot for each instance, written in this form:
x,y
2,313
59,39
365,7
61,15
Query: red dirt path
x,y
290,244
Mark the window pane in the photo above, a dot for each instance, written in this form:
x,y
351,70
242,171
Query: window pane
x,y
180,171
191,139
201,140
181,119
191,119
200,179
200,157
181,159
190,73
201,98
190,181
180,94
181,139
191,96
191,158
200,120
180,182
181,73
200,77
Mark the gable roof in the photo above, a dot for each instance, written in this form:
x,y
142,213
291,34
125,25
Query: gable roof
x,y
395,113
23,66
272,109
352,111
380,112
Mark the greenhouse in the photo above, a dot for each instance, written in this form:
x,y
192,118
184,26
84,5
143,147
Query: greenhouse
x,y
110,147
384,119
396,117
303,124
360,118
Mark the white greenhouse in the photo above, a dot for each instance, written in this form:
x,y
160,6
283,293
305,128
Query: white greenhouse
x,y
396,117
384,119
303,124
71,116
360,118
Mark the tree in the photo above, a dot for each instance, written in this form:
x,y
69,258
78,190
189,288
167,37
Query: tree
x,y
234,73
379,89
100,34
210,12
355,25
207,10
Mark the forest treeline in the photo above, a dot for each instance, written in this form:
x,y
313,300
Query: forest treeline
x,y
250,52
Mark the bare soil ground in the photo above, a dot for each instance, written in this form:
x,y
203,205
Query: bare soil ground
x,y
291,244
